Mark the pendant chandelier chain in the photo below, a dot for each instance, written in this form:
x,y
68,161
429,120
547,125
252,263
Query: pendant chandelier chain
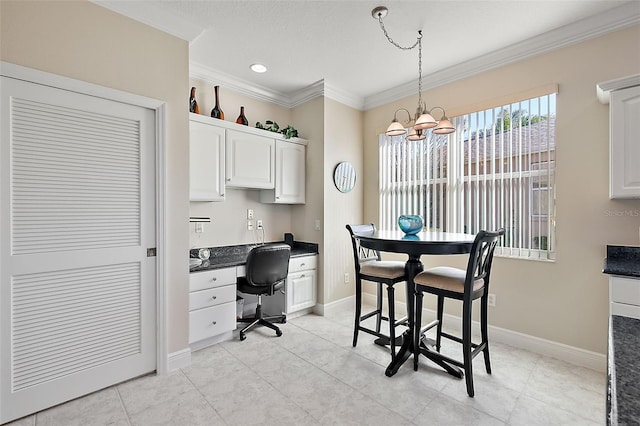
x,y
418,43
422,120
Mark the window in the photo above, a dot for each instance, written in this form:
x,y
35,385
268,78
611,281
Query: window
x,y
497,170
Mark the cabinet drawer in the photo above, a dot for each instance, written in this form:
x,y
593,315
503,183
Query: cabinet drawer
x,y
625,290
212,297
209,279
209,322
302,263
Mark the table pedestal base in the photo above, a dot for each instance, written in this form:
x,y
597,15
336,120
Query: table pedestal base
x,y
406,350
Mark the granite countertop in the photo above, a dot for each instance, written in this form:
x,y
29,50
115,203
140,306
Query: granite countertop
x,y
623,399
623,261
229,256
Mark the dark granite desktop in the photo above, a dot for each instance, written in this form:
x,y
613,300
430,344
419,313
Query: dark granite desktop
x,y
623,261
228,256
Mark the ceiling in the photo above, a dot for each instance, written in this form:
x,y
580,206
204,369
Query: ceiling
x,y
303,42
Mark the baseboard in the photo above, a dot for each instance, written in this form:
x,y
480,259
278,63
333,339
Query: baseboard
x,y
180,359
576,356
346,303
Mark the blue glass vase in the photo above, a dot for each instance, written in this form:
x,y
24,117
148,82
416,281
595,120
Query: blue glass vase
x,y
410,224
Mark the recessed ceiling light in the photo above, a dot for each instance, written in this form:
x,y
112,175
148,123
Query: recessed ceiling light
x,y
258,68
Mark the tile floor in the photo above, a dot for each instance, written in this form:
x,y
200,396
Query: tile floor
x,y
313,376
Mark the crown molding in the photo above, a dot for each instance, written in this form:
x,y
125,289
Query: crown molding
x,y
343,96
287,100
238,85
604,89
154,17
585,29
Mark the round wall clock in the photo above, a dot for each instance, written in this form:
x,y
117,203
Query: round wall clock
x,y
344,176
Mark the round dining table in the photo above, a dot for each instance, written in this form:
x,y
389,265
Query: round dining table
x,y
414,246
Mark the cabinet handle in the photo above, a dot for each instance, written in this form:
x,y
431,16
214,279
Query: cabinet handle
x,y
214,323
302,264
222,195
282,291
213,297
213,279
302,276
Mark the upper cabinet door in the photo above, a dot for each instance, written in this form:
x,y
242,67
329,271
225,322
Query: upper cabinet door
x,y
624,148
290,175
250,160
206,154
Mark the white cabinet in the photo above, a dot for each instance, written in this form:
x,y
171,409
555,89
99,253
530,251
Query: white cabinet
x,y
206,159
624,154
624,296
299,294
623,95
250,160
290,175
212,304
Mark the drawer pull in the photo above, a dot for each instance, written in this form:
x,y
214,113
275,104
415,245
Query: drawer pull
x,y
213,323
213,297
302,264
213,279
302,276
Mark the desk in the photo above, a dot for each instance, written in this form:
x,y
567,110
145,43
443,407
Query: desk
x,y
434,243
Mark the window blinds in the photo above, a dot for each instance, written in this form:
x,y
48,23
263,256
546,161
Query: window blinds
x,y
497,170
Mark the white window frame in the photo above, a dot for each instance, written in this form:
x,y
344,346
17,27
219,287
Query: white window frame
x,y
409,188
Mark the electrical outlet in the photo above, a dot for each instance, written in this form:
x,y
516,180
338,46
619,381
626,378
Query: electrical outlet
x,y
317,224
259,224
249,214
199,227
249,225
491,300
346,278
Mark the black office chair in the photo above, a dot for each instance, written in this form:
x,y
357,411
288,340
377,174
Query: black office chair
x,y
370,267
465,285
266,270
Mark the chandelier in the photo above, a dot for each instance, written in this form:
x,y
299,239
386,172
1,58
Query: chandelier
x,y
422,120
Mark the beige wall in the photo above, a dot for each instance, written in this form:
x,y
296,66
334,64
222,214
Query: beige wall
x,y
309,120
565,301
343,142
81,40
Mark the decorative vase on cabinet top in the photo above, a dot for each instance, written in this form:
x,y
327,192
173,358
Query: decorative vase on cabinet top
x,y
410,224
216,112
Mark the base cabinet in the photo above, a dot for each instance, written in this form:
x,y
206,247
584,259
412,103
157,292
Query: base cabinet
x,y
212,303
624,296
300,290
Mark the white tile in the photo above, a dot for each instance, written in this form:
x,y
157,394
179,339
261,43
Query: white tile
x,y
99,408
312,375
568,387
445,411
490,398
531,412
25,421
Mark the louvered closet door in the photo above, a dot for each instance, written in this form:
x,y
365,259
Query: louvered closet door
x,y
77,214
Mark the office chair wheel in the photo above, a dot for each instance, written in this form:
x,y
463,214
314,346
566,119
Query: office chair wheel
x,y
278,333
242,336
284,321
